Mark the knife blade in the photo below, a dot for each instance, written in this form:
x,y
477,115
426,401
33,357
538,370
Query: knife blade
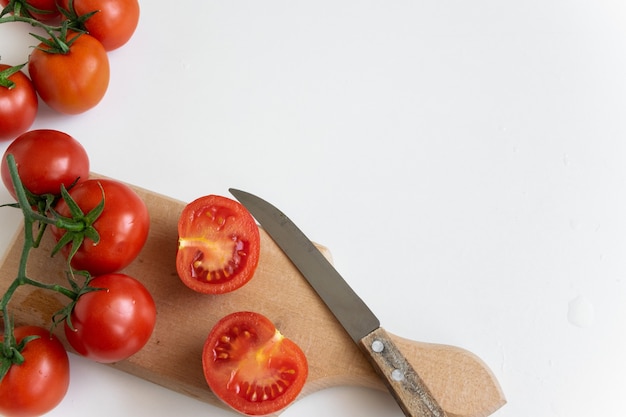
x,y
404,383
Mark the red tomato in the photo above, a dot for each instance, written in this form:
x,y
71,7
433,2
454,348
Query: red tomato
x,y
115,22
18,105
48,8
123,226
250,366
74,82
218,245
40,383
45,159
114,323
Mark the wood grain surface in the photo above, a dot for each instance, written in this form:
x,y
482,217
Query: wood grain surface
x,y
462,384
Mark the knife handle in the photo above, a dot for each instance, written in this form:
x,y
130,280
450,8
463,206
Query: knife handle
x,y
403,382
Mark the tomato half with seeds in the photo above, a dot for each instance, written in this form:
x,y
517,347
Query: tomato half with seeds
x,y
251,366
218,245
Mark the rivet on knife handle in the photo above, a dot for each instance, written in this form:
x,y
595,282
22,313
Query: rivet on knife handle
x,y
403,382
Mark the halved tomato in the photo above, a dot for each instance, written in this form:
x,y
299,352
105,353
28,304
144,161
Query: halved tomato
x,y
218,245
251,366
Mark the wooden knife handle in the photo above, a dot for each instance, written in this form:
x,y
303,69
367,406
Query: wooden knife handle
x,y
403,382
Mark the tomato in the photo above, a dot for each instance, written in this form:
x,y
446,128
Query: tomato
x,y
74,82
48,8
251,366
218,245
114,323
114,23
45,159
18,105
123,226
41,381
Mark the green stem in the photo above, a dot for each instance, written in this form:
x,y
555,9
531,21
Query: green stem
x,y
31,21
53,287
77,227
9,352
58,42
30,218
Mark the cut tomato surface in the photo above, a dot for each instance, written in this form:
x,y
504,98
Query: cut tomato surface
x,y
251,366
218,245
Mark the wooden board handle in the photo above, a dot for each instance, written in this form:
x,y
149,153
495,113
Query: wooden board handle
x,y
460,381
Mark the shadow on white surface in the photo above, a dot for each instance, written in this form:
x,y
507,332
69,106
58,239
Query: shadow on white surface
x,y
94,385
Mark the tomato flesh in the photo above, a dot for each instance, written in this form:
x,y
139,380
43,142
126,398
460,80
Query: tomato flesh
x,y
251,366
218,245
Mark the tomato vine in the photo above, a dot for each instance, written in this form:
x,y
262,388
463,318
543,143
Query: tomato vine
x,y
78,227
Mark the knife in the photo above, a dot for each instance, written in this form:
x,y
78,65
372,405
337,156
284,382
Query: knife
x,y
406,386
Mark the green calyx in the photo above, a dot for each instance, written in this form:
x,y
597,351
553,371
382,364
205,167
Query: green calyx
x,y
5,76
75,21
10,350
78,226
22,8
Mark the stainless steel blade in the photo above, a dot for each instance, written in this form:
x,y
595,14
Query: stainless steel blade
x,y
343,302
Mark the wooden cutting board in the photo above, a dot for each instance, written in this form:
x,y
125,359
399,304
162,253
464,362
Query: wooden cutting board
x,y
460,381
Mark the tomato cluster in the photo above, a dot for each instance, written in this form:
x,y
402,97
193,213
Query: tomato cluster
x,y
100,225
69,70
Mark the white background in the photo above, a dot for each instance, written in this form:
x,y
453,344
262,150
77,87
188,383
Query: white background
x,y
464,161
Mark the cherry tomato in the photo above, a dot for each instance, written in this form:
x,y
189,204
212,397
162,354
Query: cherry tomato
x,y
123,226
114,323
218,245
114,23
45,159
18,105
48,6
251,366
74,82
41,381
